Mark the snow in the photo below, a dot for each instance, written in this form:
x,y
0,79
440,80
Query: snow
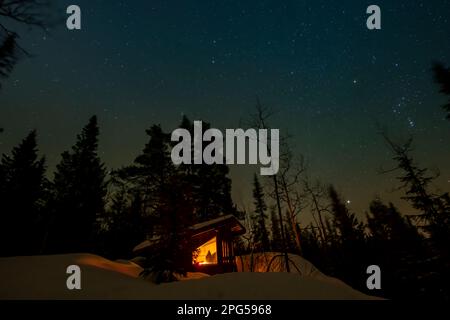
x,y
44,277
275,262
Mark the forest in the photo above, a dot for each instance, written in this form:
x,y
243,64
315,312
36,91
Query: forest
x,y
87,208
83,206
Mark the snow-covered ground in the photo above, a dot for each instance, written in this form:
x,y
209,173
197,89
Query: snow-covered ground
x,y
44,277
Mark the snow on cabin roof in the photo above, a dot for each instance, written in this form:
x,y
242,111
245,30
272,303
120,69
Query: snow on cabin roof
x,y
236,227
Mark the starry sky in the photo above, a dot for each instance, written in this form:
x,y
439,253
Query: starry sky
x,y
327,77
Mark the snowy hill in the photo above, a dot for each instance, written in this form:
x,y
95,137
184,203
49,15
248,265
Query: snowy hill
x,y
44,277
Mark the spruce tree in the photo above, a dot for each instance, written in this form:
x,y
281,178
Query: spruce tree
x,y
396,246
211,186
122,226
23,192
346,224
149,174
171,254
385,223
79,194
347,251
416,182
166,204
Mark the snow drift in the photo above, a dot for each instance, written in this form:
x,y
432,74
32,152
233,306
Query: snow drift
x,y
44,277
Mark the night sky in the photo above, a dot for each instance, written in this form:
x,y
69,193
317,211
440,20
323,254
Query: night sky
x,y
329,79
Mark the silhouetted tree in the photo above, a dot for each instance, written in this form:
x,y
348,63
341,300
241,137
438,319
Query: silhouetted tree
x,y
79,193
8,55
289,184
167,206
276,243
211,186
261,234
23,192
348,227
150,171
442,77
347,250
434,208
260,121
397,248
312,246
123,225
316,194
385,223
31,13
171,253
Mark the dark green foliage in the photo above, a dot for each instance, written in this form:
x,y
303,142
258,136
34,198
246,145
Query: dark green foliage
x,y
385,223
174,197
433,218
123,225
395,246
23,193
172,253
167,208
211,186
434,208
347,245
348,228
79,194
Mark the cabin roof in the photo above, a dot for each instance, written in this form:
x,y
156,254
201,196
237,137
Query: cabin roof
x,y
229,221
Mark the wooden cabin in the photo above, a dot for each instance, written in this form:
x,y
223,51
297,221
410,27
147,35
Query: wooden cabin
x,y
213,245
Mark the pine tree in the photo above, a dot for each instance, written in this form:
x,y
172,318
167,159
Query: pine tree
x,y
167,206
347,252
123,225
261,234
347,226
23,192
211,186
171,255
387,224
80,189
434,208
395,246
149,175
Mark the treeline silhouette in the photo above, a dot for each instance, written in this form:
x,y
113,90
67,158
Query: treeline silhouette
x,y
411,250
85,208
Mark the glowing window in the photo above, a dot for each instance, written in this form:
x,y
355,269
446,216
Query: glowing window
x,y
206,253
